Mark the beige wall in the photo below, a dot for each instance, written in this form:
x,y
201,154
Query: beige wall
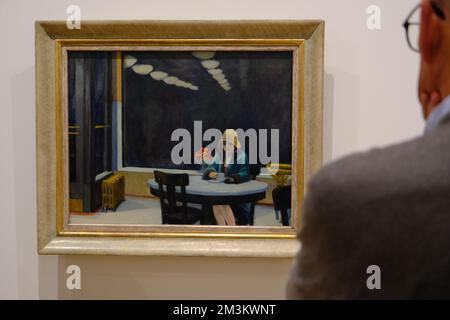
x,y
369,86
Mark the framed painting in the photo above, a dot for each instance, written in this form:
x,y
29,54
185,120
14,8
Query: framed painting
x,y
176,138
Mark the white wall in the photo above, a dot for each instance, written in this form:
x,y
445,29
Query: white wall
x,y
370,101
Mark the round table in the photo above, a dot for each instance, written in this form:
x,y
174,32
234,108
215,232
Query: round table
x,y
218,193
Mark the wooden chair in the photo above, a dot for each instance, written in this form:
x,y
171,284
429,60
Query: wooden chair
x,y
282,202
174,208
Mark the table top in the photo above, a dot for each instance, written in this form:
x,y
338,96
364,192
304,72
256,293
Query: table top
x,y
198,186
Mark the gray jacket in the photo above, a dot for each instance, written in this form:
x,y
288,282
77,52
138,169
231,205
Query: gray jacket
x,y
388,207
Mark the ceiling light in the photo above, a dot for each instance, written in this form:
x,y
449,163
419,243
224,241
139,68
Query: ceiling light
x,y
210,64
171,80
203,55
215,71
158,75
218,77
142,69
183,84
128,61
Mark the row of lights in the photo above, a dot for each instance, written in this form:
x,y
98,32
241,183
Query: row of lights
x,y
212,66
147,69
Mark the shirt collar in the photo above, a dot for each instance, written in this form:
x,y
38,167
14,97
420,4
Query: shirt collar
x,y
437,115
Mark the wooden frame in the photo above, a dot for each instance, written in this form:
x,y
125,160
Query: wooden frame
x,y
57,236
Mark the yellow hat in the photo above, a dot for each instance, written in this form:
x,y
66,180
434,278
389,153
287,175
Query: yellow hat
x,y
231,136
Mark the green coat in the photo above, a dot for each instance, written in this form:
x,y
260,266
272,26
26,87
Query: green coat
x,y
239,170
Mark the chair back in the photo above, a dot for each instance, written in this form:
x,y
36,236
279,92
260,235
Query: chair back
x,y
282,202
255,170
172,203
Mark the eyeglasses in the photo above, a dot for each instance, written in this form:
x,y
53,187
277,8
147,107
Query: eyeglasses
x,y
412,26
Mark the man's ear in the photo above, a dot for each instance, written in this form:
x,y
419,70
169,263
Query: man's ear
x,y
430,32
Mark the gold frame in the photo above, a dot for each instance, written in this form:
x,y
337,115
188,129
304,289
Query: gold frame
x,y
61,237
62,48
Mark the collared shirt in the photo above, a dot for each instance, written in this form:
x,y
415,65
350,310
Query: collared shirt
x,y
437,115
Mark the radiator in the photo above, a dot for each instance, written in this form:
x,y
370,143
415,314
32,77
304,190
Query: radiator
x,y
113,192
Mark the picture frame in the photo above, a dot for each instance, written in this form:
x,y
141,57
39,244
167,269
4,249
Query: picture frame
x,y
56,235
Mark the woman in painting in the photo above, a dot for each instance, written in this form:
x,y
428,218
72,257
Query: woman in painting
x,y
232,162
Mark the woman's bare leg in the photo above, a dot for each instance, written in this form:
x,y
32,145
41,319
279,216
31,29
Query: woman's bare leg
x,y
228,215
218,214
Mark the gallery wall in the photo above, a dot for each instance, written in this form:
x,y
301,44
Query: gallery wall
x,y
370,101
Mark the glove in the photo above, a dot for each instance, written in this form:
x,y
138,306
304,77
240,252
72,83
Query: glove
x,y
206,174
229,180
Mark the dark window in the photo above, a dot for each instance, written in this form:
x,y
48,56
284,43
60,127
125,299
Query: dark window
x,y
260,98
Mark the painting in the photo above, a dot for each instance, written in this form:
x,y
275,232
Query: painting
x,y
200,138
169,102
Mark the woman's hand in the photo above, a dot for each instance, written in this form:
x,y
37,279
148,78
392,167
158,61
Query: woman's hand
x,y
213,175
230,180
203,155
